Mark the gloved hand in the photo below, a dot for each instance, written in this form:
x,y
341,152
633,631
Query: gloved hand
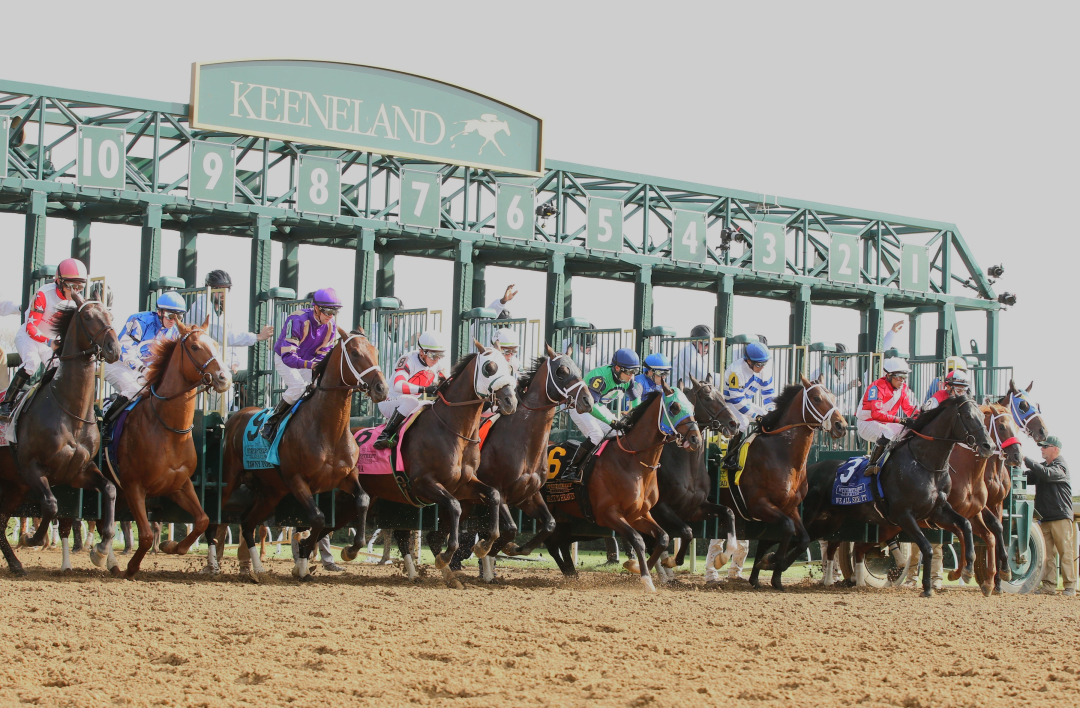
x,y
619,426
430,390
1028,462
901,416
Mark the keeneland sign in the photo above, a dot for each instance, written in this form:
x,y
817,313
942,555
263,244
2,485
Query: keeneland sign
x,y
365,108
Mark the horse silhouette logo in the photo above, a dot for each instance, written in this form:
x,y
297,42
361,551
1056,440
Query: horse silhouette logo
x,y
488,126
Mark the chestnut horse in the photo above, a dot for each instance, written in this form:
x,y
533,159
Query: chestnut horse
x,y
317,451
441,452
773,481
57,433
622,490
156,452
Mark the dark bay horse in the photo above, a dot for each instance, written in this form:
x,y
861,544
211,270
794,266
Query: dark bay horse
x,y
683,479
622,489
441,452
915,481
156,452
317,450
773,482
57,433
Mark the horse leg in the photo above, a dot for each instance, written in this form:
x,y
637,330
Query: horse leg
x,y
490,496
627,531
979,528
535,508
212,566
363,503
64,529
908,523
1003,571
427,487
186,498
761,559
102,554
76,535
136,502
948,518
35,478
554,544
300,489
259,512
403,538
507,534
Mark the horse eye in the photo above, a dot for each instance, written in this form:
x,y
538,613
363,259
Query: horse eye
x,y
490,368
675,408
1024,407
562,372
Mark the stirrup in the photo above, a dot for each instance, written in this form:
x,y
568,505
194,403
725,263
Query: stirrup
x,y
384,442
872,470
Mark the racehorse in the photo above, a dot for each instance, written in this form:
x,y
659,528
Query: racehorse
x,y
1026,412
317,451
441,453
155,453
773,481
488,126
57,432
915,482
683,479
622,490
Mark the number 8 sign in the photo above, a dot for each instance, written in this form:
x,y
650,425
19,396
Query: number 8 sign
x,y
770,248
844,259
318,186
212,173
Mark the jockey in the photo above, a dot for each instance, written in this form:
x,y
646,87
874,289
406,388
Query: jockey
x,y
507,339
952,363
199,308
306,338
139,332
416,372
607,384
499,303
887,403
956,384
743,381
37,338
657,369
693,359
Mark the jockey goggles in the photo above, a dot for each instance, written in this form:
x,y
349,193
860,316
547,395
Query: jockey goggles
x,y
168,315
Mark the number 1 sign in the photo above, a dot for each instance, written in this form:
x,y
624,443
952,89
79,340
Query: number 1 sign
x,y
844,259
915,268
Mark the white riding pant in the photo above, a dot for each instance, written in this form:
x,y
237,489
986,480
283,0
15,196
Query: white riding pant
x,y
295,380
872,430
32,353
404,404
123,380
590,426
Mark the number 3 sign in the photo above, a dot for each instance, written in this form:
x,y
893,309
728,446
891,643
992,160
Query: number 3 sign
x,y
770,248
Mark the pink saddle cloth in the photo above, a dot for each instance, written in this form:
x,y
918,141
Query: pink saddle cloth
x,y
373,461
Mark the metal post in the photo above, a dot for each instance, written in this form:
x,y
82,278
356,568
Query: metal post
x,y
34,245
479,285
914,335
462,302
872,320
799,330
80,242
187,258
643,301
947,343
723,316
259,354
384,277
289,266
993,327
364,281
150,255
558,287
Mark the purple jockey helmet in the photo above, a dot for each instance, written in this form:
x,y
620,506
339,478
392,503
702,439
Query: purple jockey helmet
x,y
327,297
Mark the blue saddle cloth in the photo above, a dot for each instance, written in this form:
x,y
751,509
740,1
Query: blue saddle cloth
x,y
112,451
260,453
852,486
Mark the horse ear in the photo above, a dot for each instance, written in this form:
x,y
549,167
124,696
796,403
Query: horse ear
x,y
693,381
181,326
708,378
548,350
805,381
1012,386
77,299
570,350
820,377
1029,386
479,347
679,383
205,322
342,334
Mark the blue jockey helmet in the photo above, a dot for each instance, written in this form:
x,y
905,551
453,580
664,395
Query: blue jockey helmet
x,y
658,362
757,352
626,358
327,297
171,302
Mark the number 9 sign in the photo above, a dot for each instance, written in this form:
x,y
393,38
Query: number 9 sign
x,y
770,248
212,173
318,186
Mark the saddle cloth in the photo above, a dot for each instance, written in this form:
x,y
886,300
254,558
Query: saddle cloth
x,y
260,453
852,486
562,484
112,458
372,461
7,432
744,449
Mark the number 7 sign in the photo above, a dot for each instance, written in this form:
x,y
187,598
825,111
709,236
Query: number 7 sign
x,y
421,199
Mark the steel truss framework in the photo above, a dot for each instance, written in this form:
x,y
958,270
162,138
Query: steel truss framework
x,y
41,182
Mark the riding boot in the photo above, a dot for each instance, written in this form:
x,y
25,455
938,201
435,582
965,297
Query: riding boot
x,y
879,450
269,429
573,472
115,408
731,460
18,381
389,432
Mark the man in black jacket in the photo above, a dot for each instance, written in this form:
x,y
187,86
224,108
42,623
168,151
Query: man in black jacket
x,y
1053,503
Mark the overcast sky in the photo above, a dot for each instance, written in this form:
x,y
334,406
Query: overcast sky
x,y
963,113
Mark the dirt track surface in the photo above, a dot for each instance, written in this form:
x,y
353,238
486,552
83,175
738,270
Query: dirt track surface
x,y
369,637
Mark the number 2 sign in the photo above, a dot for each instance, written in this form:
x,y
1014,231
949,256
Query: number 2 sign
x,y
844,259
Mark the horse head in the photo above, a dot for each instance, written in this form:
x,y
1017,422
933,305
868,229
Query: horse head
x,y
92,331
1025,411
968,425
564,380
1003,429
710,408
492,378
201,361
820,403
677,418
362,359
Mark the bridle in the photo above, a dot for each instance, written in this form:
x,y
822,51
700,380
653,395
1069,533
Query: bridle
x,y
205,380
969,440
1022,419
675,436
96,338
480,398
344,360
818,421
713,423
564,398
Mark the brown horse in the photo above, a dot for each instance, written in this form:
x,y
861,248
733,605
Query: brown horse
x,y
57,433
317,450
622,490
156,452
773,482
441,452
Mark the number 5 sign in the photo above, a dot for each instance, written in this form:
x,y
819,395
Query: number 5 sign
x,y
915,268
688,236
318,186
421,199
212,173
844,259
770,248
515,211
604,222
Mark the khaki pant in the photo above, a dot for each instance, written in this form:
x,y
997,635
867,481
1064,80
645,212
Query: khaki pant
x,y
937,564
1060,539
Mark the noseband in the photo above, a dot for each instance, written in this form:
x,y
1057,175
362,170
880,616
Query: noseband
x,y
1019,417
564,394
713,423
818,419
360,384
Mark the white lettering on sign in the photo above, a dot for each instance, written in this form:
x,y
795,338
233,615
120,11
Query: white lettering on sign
x,y
514,216
770,248
605,227
914,268
421,187
845,268
689,237
212,166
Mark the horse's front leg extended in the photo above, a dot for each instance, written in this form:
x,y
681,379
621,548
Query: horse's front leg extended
x,y
948,518
621,526
186,498
363,504
535,507
428,488
300,489
488,495
908,523
35,478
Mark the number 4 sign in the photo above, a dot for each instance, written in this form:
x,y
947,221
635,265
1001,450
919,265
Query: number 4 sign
x,y
515,210
688,236
844,259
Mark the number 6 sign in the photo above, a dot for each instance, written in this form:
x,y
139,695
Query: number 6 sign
x,y
318,186
212,173
770,248
844,259
515,210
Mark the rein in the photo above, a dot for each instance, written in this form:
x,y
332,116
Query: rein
x,y
713,423
818,418
204,380
95,346
360,385
52,387
565,393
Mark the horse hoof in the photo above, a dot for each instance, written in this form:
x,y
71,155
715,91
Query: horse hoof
x,y
439,562
954,575
18,571
647,581
632,566
455,584
117,573
480,550
1005,574
210,570
967,574
929,592
779,587
348,553
669,562
253,577
97,558
987,590
511,549
721,560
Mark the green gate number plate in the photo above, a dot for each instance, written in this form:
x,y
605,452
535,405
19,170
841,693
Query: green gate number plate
x,y
318,186
603,230
688,236
4,127
915,268
770,247
515,210
421,199
101,157
212,174
844,259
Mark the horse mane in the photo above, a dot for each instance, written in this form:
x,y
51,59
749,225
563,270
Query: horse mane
x,y
458,368
638,412
526,376
163,351
64,316
319,369
772,418
927,417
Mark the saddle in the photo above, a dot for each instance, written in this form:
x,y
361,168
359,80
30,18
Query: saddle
x,y
373,461
22,401
258,452
112,457
733,485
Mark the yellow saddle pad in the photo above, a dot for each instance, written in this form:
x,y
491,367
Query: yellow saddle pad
x,y
744,449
